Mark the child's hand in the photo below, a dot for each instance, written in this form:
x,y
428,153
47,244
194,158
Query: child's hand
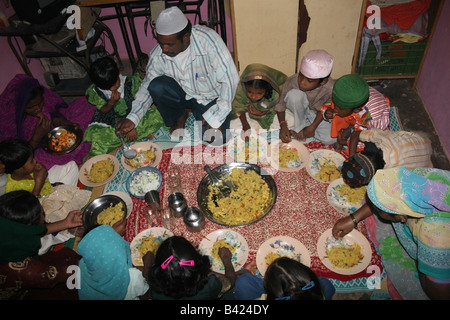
x,y
329,114
245,133
74,219
285,134
225,254
115,96
42,128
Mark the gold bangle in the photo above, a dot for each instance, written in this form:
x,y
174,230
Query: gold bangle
x,y
354,220
283,122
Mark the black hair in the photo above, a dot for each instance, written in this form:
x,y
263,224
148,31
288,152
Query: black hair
x,y
14,153
104,72
286,277
186,30
260,84
374,154
35,92
175,280
20,206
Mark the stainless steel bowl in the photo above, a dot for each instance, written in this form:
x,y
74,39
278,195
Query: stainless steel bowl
x,y
194,219
223,171
46,140
93,209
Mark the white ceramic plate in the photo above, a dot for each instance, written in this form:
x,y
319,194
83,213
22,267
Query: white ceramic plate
x,y
353,237
160,235
240,255
322,157
253,151
340,203
283,246
303,154
86,168
125,197
144,146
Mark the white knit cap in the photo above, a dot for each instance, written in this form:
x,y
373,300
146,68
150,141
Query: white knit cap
x,y
316,64
170,21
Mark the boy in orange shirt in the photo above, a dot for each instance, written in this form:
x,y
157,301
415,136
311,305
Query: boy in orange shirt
x,y
355,107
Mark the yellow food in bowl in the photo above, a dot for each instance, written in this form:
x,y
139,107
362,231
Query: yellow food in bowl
x,y
345,256
101,170
111,215
245,204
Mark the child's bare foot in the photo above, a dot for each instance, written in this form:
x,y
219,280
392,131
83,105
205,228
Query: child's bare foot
x,y
180,124
150,136
297,135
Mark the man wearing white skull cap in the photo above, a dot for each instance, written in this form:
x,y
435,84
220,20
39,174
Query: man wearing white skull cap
x,y
304,94
191,69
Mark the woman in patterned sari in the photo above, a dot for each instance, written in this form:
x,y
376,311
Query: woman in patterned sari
x,y
417,203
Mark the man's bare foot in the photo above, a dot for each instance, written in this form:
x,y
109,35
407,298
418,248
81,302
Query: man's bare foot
x,y
297,135
180,124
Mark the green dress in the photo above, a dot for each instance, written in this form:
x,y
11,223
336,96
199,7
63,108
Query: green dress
x,y
241,102
101,131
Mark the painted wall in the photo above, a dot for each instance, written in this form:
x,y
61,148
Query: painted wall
x,y
266,32
334,28
434,80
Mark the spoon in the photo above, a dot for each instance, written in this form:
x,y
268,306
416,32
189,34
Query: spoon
x,y
128,152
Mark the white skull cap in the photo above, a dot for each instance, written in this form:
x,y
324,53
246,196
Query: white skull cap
x,y
170,21
316,64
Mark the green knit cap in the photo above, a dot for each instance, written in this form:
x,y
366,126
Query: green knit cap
x,y
350,91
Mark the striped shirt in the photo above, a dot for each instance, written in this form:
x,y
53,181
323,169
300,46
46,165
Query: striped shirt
x,y
378,106
400,148
209,73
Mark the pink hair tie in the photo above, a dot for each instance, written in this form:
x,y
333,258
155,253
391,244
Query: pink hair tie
x,y
166,262
188,263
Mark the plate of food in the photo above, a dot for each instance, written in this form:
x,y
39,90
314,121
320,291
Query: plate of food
x,y
254,196
252,151
125,197
281,246
62,140
344,198
147,240
99,170
147,154
349,255
289,157
230,239
325,165
106,209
